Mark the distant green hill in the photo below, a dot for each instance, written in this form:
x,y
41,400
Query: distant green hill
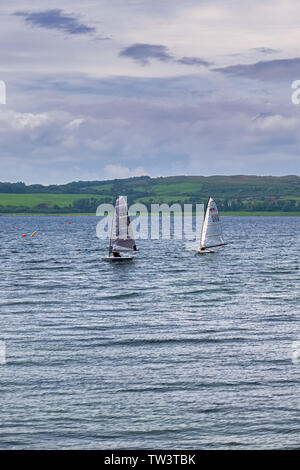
x,y
246,193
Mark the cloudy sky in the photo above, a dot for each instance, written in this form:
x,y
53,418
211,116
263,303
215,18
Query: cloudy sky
x,y
113,88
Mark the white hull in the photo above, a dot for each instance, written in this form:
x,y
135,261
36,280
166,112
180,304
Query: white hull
x,y
204,252
117,259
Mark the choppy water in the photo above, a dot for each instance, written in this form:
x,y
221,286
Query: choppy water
x,y
172,351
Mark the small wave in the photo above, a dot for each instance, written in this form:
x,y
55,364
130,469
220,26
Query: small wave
x,y
162,341
119,296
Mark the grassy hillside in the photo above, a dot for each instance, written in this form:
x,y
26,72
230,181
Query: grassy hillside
x,y
33,200
233,194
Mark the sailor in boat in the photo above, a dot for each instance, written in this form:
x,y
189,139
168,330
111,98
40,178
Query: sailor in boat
x,y
203,249
116,253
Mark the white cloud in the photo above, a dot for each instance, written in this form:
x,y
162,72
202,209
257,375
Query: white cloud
x,y
118,171
274,122
22,121
74,124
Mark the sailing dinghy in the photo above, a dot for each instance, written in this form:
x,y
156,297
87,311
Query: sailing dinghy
x,y
211,235
121,239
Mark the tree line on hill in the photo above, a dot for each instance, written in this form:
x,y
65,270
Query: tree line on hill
x,y
89,205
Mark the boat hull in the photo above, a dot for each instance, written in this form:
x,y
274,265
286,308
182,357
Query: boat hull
x,y
205,252
113,259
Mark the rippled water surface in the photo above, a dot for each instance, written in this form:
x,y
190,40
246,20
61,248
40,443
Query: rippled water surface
x,y
172,351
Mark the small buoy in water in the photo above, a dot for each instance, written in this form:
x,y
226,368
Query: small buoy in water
x,y
24,235
33,234
69,222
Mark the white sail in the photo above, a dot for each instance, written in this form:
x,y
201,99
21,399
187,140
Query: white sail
x,y
122,238
212,228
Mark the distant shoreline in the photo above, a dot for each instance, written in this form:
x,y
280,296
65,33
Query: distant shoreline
x,y
222,214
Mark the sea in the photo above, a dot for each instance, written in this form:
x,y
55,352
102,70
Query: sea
x,y
172,351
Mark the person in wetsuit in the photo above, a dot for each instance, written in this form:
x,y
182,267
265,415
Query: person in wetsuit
x,y
116,254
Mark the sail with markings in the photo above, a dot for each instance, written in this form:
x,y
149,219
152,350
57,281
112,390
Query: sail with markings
x,y
212,228
122,238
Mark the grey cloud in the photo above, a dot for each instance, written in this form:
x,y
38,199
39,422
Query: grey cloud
x,y
56,19
282,69
194,61
266,50
143,52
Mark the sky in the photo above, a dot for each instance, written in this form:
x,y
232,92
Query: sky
x,y
112,88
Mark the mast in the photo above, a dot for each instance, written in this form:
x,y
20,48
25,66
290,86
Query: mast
x,y
110,248
111,229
